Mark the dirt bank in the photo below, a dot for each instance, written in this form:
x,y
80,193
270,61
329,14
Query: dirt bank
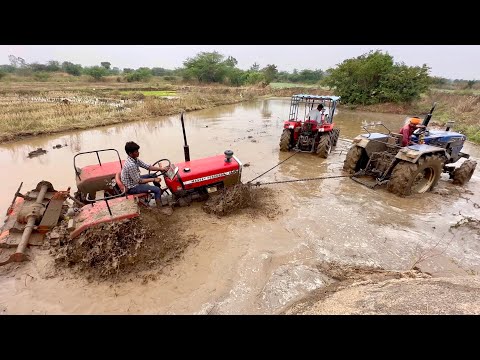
x,y
365,290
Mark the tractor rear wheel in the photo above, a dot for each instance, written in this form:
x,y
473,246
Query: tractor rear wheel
x,y
464,172
324,145
285,140
409,178
336,135
352,160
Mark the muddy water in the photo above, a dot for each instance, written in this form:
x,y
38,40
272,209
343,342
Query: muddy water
x,y
242,265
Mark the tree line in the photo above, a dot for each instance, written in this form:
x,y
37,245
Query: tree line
x,y
371,78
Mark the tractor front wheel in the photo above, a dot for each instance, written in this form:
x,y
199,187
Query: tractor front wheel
x,y
464,172
409,178
324,145
285,140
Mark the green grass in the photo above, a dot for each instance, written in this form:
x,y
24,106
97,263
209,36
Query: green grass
x,y
158,93
278,85
471,131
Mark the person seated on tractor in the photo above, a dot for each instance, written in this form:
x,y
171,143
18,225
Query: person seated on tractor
x,y
408,129
316,114
138,184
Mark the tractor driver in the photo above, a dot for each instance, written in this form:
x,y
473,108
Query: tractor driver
x,y
408,129
136,183
316,114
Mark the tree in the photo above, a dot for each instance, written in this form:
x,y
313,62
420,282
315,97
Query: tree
x,y
158,71
403,83
72,69
17,62
270,73
106,65
36,67
236,77
310,76
207,67
255,77
97,72
255,67
373,78
231,61
127,70
141,74
53,65
470,84
7,68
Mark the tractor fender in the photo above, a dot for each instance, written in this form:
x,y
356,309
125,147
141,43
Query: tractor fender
x,y
293,125
413,152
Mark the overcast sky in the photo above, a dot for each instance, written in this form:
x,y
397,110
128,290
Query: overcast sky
x,y
449,61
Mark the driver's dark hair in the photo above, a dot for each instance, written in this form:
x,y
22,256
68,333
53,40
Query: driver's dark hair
x,y
131,147
320,107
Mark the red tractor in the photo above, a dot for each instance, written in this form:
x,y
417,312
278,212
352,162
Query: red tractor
x,y
302,132
101,197
100,185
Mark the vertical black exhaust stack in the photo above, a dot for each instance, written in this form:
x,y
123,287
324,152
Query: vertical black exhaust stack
x,y
186,149
429,115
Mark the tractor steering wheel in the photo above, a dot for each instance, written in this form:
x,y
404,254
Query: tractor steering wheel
x,y
161,172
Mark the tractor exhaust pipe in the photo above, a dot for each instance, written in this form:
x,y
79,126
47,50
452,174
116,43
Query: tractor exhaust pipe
x,y
186,149
429,115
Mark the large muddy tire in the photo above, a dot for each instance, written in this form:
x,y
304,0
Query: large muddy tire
x,y
285,140
324,146
336,135
464,172
408,178
352,160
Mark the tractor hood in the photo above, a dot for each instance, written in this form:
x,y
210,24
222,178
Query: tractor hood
x,y
444,136
203,172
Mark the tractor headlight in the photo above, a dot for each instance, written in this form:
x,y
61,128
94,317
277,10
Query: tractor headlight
x,y
321,130
290,127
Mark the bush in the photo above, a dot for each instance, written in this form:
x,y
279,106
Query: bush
x,y
41,76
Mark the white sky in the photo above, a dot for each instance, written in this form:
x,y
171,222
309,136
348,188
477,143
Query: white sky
x,y
448,61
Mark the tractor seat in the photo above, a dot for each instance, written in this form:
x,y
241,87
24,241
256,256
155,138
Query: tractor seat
x,y
122,187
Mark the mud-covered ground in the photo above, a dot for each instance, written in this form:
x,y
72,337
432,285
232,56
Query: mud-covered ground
x,y
151,241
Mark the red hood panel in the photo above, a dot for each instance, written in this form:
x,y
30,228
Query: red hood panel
x,y
204,171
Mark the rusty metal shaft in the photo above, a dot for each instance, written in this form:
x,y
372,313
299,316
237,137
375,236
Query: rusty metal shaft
x,y
32,218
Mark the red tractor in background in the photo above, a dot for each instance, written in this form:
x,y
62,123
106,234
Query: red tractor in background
x,y
305,135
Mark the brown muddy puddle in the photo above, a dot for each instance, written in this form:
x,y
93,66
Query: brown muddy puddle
x,y
243,263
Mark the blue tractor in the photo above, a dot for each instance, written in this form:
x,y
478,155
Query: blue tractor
x,y
413,169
